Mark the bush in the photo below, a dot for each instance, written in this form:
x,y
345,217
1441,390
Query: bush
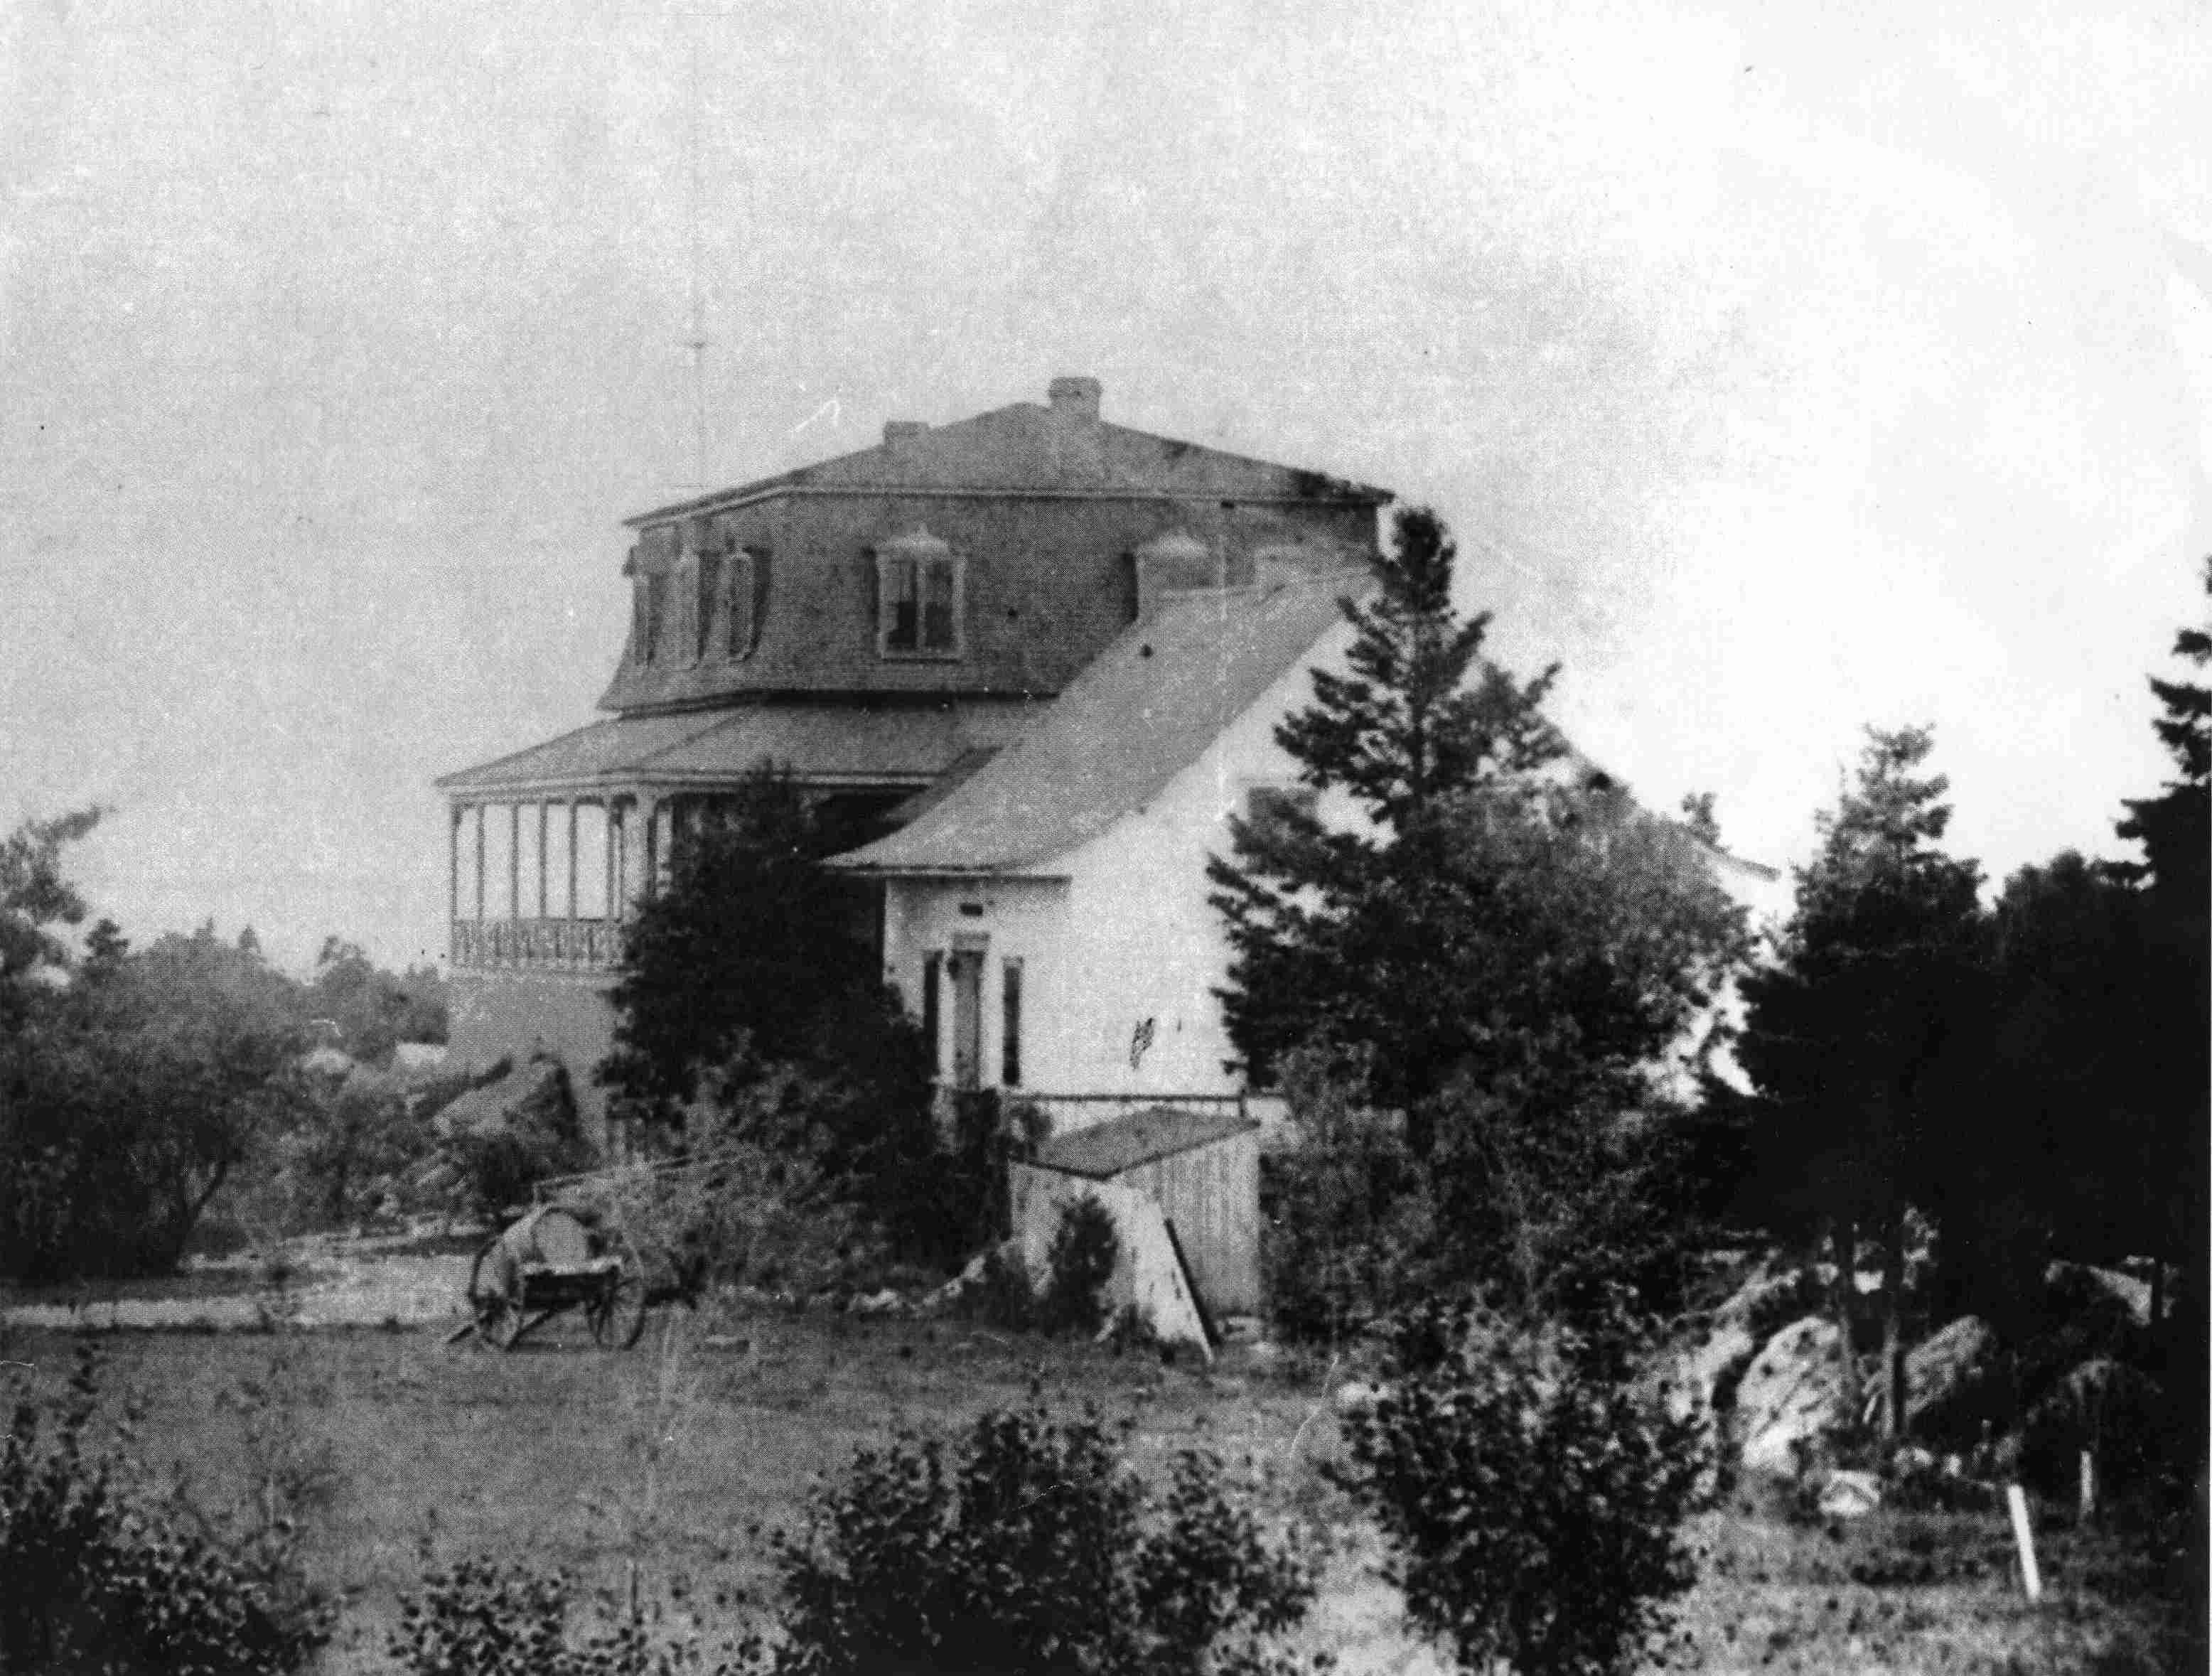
x,y
1531,1493
1347,1220
97,1579
746,1215
1031,1550
1085,1248
475,1618
1000,1296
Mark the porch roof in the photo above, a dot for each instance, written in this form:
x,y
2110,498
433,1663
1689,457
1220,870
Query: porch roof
x,y
1146,710
823,743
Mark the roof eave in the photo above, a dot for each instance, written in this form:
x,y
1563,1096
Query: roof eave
x,y
1354,494
1023,870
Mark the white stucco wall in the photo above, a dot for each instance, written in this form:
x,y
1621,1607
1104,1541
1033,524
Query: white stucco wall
x,y
1124,939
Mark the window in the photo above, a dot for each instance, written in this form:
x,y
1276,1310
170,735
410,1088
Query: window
x,y
932,967
710,592
653,600
1010,1038
741,574
919,607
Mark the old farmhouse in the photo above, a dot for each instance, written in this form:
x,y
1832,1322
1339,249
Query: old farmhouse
x,y
888,623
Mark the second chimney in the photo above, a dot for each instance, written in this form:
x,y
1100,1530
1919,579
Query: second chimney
x,y
1076,398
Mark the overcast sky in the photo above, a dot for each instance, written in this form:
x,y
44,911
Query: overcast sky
x,y
1780,372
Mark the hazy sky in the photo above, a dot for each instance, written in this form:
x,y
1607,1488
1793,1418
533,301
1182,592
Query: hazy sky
x,y
1781,372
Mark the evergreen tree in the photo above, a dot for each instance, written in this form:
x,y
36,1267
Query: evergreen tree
x,y
1501,948
1855,1035
1415,724
746,998
2175,831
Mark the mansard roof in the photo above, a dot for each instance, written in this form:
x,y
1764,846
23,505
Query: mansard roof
x,y
1059,449
1146,710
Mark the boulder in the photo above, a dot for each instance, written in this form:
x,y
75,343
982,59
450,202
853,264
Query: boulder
x,y
1851,1495
1792,1395
2085,1280
1953,1383
1702,1381
530,1099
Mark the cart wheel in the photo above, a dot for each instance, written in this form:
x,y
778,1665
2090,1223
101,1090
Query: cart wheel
x,y
498,1317
617,1313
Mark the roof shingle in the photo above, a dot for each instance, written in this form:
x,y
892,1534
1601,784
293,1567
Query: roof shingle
x,y
1147,708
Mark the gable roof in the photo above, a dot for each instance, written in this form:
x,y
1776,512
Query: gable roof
x,y
1106,1149
1029,447
1147,709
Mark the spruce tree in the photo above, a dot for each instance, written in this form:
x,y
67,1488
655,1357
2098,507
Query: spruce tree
x,y
2175,831
1855,1035
1415,722
1487,936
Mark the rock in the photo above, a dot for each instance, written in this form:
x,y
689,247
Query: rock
x,y
1357,1396
1951,1382
2086,1279
1791,1396
1703,1380
531,1098
1851,1495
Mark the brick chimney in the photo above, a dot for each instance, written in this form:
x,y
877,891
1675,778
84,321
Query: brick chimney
x,y
901,430
1076,398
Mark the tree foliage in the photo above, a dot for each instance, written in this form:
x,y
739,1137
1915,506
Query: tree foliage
x,y
1860,1033
1481,921
101,1576
748,1008
1030,1548
1532,1498
133,1083
1499,940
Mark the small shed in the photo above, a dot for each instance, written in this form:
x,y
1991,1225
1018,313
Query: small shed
x,y
1201,1169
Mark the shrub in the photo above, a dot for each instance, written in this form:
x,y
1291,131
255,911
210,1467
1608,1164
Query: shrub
x,y
1000,1296
1346,1219
1031,1550
1085,1248
1531,1493
743,1215
475,1618
98,1579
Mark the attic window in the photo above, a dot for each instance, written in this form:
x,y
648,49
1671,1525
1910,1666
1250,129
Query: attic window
x,y
919,604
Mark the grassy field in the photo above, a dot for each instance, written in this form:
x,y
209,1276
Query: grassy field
x,y
680,1456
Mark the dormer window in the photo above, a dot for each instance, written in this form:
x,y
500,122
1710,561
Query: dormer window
x,y
652,612
686,633
710,594
919,608
740,584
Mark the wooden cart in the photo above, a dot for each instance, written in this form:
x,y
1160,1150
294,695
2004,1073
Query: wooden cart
x,y
556,1259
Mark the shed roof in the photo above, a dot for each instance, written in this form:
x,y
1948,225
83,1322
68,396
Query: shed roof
x,y
1140,1138
1147,709
823,742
